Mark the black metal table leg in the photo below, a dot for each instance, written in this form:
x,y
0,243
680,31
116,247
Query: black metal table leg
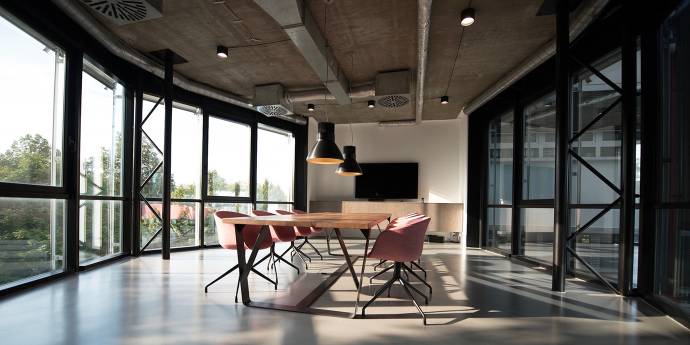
x,y
347,256
365,232
245,266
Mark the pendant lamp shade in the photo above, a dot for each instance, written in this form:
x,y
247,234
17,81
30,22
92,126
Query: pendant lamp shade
x,y
349,167
325,151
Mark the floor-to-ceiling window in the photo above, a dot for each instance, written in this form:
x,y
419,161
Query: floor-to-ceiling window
x,y
275,169
229,171
33,215
538,178
672,252
101,164
500,183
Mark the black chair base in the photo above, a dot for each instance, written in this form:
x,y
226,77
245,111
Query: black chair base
x,y
280,257
397,277
306,241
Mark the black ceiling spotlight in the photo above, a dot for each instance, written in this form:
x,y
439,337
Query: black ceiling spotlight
x,y
325,151
467,17
222,52
371,104
310,107
444,99
349,167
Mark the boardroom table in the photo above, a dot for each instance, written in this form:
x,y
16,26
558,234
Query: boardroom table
x,y
365,222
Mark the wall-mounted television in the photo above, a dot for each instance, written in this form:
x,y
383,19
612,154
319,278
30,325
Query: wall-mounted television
x,y
387,181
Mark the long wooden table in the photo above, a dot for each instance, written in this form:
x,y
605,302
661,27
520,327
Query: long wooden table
x,y
336,221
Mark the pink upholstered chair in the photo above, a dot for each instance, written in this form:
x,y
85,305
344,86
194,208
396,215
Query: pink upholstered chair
x,y
401,243
279,234
227,240
313,230
302,232
395,223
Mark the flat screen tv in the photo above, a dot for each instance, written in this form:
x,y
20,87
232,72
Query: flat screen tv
x,y
387,181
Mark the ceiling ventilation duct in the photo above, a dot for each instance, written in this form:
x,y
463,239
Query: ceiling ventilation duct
x,y
270,100
123,12
393,89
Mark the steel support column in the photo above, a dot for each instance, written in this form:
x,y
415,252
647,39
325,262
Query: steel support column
x,y
516,247
562,137
629,129
167,146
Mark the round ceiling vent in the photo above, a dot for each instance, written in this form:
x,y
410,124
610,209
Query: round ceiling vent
x,y
393,101
122,10
272,110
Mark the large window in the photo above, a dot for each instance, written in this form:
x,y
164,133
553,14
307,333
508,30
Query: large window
x,y
101,158
539,164
32,83
672,252
275,169
500,183
229,152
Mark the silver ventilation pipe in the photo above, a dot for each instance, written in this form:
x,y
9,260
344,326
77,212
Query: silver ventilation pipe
x,y
119,48
423,24
580,20
366,90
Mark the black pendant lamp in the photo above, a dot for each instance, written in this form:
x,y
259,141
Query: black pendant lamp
x,y
349,167
325,151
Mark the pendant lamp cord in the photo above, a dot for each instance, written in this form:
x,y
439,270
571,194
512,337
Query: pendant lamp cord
x,y
457,54
325,36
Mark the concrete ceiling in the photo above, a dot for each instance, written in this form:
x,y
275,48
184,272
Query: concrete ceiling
x,y
378,35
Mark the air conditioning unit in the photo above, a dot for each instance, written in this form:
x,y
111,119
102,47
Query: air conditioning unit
x,y
393,89
123,12
270,100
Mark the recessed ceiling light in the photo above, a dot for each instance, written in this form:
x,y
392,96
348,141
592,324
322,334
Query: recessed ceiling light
x,y
371,104
444,99
222,52
467,17
310,107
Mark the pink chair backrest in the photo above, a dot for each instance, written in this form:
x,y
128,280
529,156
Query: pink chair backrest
x,y
296,211
283,233
301,230
226,232
412,234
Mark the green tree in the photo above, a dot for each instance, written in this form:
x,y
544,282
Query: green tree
x,y
28,160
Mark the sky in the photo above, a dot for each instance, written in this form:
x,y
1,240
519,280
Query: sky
x,y
27,93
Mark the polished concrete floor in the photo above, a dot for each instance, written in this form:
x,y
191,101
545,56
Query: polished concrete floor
x,y
479,298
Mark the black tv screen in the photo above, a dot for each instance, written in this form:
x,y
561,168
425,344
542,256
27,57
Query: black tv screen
x,y
387,181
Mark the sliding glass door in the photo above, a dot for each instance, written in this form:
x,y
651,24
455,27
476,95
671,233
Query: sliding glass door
x,y
500,183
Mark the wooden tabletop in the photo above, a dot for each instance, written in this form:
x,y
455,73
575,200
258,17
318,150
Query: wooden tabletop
x,y
319,220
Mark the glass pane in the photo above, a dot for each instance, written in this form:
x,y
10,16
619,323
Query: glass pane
x,y
100,228
151,142
186,153
672,262
183,216
598,245
275,165
274,207
32,75
31,237
538,167
229,150
603,151
102,114
498,228
149,224
674,122
210,236
537,233
501,160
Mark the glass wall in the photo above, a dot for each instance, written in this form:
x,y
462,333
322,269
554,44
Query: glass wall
x,y
672,252
275,169
102,122
32,84
600,146
500,183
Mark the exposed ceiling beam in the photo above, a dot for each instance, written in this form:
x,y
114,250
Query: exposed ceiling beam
x,y
299,24
423,24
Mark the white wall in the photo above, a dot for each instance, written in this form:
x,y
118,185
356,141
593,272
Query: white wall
x,y
440,148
